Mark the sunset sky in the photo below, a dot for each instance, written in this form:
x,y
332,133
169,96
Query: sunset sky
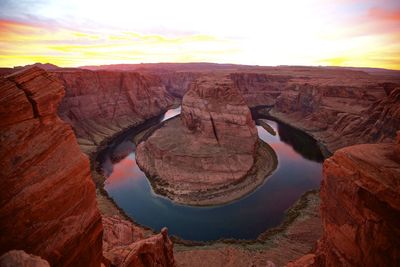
x,y
303,32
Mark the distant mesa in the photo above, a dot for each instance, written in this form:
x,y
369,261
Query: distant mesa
x,y
45,66
211,154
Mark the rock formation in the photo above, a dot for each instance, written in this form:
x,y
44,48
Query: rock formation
x,y
47,198
360,208
339,122
100,104
198,158
19,258
260,89
177,83
125,245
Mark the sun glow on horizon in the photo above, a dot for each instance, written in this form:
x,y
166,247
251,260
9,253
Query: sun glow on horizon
x,y
309,32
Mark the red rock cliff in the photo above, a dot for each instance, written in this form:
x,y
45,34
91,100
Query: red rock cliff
x,y
360,208
47,197
99,104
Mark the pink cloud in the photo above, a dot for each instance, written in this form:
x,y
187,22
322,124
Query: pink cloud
x,y
377,13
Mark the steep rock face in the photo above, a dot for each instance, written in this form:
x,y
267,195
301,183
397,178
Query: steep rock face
x,y
305,99
99,104
341,121
177,83
259,89
47,198
198,158
216,111
360,207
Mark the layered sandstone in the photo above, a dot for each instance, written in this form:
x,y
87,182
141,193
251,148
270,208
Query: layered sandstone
x,y
340,121
100,104
19,258
204,157
125,245
260,89
47,198
177,83
360,208
335,105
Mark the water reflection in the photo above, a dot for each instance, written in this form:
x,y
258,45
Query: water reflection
x,y
171,113
245,218
300,142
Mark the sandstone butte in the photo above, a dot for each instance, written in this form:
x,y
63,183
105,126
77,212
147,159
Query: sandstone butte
x,y
47,199
207,155
360,208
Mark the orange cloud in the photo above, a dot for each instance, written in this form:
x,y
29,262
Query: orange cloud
x,y
22,44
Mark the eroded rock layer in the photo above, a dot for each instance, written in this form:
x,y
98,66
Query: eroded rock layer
x,y
100,104
360,208
47,198
19,258
198,158
125,245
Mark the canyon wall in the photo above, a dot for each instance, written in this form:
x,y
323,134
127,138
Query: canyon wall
x,y
47,197
360,208
99,104
326,103
340,121
337,107
260,89
177,83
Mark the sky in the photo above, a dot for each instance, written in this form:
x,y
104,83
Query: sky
x,y
359,33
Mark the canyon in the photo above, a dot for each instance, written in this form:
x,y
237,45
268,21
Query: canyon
x,y
48,199
212,154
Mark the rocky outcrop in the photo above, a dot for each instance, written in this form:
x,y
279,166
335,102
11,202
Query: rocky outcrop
x,y
19,258
125,245
100,104
260,89
215,110
204,157
340,121
177,83
47,198
360,208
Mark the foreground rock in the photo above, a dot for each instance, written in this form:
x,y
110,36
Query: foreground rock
x,y
19,258
125,245
360,208
206,156
47,198
100,104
